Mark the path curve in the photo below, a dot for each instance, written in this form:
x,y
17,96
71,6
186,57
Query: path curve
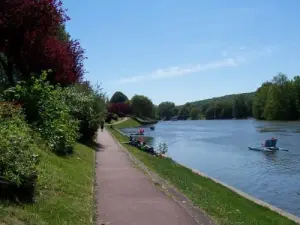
x,y
125,196
120,121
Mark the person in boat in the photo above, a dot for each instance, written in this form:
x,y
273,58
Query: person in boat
x,y
141,131
270,143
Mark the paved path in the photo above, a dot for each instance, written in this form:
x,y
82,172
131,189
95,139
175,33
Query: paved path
x,y
125,196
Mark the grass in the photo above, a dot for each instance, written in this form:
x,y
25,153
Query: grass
x,y
128,123
64,192
224,205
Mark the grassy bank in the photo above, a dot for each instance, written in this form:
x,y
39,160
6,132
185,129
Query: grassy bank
x,y
64,192
145,122
127,123
225,206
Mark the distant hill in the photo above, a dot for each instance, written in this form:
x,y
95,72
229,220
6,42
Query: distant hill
x,y
225,98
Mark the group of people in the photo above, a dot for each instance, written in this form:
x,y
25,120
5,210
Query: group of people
x,y
141,144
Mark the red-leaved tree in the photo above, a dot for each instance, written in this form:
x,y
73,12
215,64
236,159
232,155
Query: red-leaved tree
x,y
30,32
120,108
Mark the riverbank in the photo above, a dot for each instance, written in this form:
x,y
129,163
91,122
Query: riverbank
x,y
129,122
224,205
64,192
125,195
144,122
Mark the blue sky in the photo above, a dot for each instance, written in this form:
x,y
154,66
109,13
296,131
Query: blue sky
x,y
183,51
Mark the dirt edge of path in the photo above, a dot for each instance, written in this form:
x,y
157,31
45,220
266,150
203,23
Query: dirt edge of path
x,y
195,212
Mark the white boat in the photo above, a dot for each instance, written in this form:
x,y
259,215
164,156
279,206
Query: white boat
x,y
264,149
268,146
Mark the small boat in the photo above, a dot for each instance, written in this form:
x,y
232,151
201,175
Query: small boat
x,y
263,149
268,146
134,134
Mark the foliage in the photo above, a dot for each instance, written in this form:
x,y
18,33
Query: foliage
x,y
64,192
142,106
162,148
32,46
111,116
166,110
118,97
155,114
259,100
120,108
87,105
184,111
277,100
17,148
195,113
296,95
45,108
226,107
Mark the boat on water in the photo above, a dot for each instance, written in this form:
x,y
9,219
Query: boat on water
x,y
137,134
267,146
263,149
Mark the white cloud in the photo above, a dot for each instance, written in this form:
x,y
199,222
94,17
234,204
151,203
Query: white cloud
x,y
184,70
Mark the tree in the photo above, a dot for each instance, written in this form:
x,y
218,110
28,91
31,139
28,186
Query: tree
x,y
32,37
120,108
184,111
239,107
142,106
155,112
276,100
210,112
118,97
296,93
280,104
260,100
166,110
195,112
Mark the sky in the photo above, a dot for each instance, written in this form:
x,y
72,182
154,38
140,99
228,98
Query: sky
x,y
183,51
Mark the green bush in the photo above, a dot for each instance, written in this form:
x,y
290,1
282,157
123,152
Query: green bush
x,y
45,108
86,105
17,159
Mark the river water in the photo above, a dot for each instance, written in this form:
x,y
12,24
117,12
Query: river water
x,y
219,148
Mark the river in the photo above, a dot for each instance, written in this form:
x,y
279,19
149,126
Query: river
x,y
219,148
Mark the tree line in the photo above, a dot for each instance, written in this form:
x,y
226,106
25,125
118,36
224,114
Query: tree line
x,y
278,99
139,106
227,107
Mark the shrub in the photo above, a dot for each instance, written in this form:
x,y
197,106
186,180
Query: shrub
x,y
17,159
162,148
44,107
86,105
